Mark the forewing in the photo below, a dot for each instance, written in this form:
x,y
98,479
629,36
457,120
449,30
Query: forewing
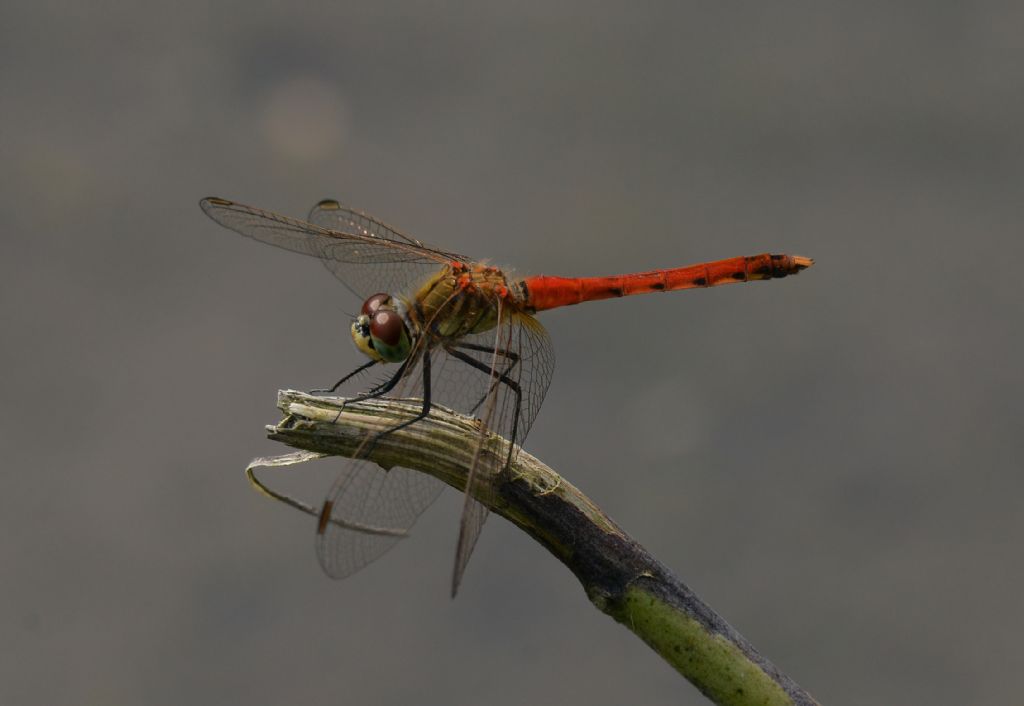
x,y
367,260
332,215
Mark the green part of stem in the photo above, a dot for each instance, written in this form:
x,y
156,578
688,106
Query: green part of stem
x,y
711,662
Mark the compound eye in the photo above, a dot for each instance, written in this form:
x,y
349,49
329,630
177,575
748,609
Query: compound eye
x,y
373,303
387,327
390,336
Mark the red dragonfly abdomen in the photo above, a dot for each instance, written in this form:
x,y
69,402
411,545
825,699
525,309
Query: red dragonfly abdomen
x,y
545,292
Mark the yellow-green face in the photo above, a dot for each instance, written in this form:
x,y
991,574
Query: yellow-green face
x,y
380,331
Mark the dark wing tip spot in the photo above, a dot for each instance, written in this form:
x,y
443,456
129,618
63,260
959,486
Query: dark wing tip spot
x,y
325,516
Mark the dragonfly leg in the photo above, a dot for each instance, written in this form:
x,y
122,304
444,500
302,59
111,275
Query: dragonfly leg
x,y
381,389
426,399
420,415
511,356
500,378
345,379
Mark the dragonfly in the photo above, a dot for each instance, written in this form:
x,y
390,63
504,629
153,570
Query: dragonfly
x,y
447,330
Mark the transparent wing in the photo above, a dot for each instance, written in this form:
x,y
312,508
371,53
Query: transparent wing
x,y
505,391
370,510
332,215
517,370
520,351
367,256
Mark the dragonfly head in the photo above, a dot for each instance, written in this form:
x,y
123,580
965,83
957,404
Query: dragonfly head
x,y
380,331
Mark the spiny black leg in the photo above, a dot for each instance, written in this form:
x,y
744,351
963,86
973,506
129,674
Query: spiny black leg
x,y
501,378
422,413
512,357
426,398
345,379
384,387
381,389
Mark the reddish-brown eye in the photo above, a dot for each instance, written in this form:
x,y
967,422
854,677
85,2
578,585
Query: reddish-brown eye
x,y
387,327
371,305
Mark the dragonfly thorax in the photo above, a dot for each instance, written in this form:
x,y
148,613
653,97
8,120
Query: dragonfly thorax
x,y
380,331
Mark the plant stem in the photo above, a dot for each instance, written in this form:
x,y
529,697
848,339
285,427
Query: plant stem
x,y
619,576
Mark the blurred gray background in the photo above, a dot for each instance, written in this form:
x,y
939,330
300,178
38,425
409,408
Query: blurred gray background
x,y
833,461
